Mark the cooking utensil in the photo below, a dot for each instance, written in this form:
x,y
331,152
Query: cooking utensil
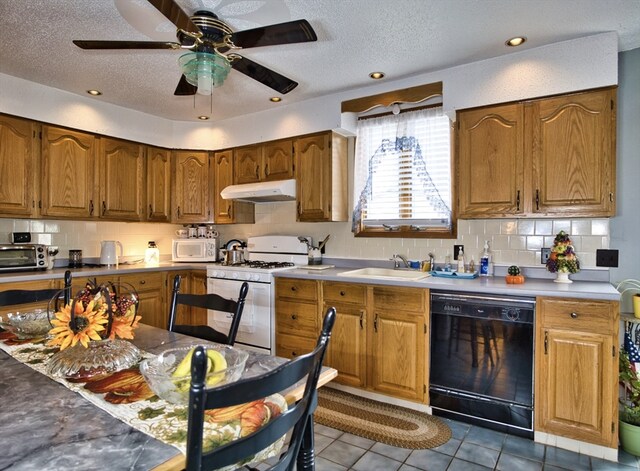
x,y
232,256
321,246
233,244
306,241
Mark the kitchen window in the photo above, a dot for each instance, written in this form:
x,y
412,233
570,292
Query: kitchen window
x,y
402,175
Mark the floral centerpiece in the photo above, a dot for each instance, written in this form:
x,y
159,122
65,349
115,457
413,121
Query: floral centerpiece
x,y
563,259
89,328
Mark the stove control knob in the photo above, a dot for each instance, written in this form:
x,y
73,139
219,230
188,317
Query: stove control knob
x,y
218,274
255,277
234,276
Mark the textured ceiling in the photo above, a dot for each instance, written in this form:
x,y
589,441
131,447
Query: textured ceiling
x,y
355,37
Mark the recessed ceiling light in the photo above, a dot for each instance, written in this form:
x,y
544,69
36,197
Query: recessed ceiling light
x,y
517,41
203,118
275,99
376,75
94,92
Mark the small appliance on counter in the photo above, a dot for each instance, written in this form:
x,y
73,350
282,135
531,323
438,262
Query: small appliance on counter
x,y
194,250
108,255
23,257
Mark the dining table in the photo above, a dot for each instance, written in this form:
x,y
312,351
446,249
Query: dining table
x,y
46,425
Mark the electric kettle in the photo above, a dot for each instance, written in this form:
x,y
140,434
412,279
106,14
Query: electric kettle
x,y
108,254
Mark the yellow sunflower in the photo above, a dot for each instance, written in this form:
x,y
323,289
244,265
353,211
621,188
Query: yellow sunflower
x,y
88,323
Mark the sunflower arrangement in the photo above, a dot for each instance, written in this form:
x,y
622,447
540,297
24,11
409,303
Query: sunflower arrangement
x,y
563,257
97,312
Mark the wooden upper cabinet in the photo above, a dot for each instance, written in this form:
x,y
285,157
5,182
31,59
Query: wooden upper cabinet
x,y
190,187
158,184
548,157
573,153
227,211
277,157
122,179
68,165
490,161
248,160
17,164
321,177
264,162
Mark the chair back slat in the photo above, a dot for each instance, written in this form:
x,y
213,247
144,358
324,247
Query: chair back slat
x,y
23,296
283,377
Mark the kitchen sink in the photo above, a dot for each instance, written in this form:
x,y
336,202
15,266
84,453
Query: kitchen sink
x,y
386,274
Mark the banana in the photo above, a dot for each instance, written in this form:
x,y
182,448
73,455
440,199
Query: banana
x,y
218,363
184,367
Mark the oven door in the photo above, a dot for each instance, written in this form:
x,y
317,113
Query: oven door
x,y
255,326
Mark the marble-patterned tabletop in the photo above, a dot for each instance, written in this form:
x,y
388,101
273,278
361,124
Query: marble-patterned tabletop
x,y
44,425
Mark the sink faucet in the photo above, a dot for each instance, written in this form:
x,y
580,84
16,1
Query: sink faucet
x,y
396,261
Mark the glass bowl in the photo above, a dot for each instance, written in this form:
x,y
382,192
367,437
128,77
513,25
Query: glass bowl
x,y
28,324
160,371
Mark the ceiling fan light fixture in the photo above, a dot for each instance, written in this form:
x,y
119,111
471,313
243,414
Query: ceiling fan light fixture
x,y
376,75
275,99
517,41
204,70
94,92
203,118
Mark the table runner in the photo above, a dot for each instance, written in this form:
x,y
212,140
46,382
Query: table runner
x,y
126,396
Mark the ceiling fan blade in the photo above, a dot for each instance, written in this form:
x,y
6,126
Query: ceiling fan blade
x,y
185,88
174,13
298,31
268,77
125,44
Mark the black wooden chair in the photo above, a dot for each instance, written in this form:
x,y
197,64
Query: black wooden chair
x,y
207,301
25,296
298,417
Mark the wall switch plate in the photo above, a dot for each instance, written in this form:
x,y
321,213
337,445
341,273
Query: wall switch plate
x,y
456,251
606,258
545,253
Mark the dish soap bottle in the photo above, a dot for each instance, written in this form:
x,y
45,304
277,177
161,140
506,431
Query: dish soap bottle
x,y
486,266
460,262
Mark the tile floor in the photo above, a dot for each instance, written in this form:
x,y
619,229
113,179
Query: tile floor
x,y
471,448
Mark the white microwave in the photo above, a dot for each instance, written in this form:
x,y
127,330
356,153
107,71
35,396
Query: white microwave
x,y
194,250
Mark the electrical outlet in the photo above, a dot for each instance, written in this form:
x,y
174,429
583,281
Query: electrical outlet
x,y
606,258
456,251
545,253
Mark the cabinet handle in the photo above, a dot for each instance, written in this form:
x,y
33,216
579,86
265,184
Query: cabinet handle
x,y
90,207
104,208
258,172
518,201
229,210
342,293
266,169
611,197
294,354
150,211
293,288
537,200
142,282
546,342
574,315
298,208
361,320
294,316
375,323
178,211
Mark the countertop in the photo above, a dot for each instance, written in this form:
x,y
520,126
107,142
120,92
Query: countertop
x,y
481,285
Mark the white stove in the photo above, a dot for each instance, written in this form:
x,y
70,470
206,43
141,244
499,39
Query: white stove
x,y
266,255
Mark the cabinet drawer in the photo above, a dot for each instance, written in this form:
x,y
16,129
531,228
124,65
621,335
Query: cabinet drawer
x,y
143,281
297,289
406,299
290,346
578,314
297,318
344,293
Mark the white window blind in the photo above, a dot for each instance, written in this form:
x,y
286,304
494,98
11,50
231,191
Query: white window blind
x,y
402,172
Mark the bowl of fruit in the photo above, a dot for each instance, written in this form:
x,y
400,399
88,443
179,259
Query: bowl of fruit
x,y
169,373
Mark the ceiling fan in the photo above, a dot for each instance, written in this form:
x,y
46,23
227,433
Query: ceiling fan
x,y
212,44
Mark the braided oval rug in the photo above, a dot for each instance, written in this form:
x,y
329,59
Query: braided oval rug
x,y
386,423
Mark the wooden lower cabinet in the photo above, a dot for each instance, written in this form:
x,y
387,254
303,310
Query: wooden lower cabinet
x,y
150,288
576,369
378,342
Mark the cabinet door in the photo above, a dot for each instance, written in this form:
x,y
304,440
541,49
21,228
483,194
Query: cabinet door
x,y
122,188
573,154
68,161
347,350
198,286
313,175
278,160
17,165
222,177
191,187
575,380
490,162
158,184
248,161
150,288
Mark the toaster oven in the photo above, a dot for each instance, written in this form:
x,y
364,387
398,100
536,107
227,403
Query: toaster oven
x,y
23,257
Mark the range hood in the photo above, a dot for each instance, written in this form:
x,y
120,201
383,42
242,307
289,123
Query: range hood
x,y
263,192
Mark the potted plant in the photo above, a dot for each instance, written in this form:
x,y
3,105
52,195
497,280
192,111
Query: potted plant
x,y
563,259
629,424
632,285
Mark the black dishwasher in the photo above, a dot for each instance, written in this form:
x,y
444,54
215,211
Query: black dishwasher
x,y
482,360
